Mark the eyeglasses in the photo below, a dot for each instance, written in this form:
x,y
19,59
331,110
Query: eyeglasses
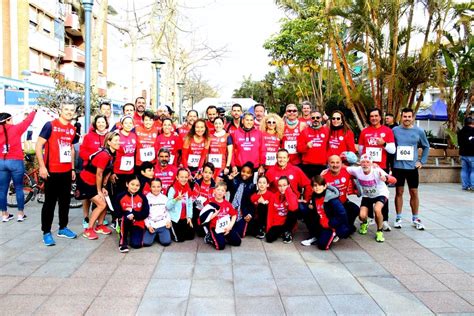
x,y
336,118
315,117
271,122
292,111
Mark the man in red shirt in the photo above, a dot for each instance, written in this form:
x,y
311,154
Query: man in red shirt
x,y
211,113
56,167
164,171
140,107
377,141
236,113
191,117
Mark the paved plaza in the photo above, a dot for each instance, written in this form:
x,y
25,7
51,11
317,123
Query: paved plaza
x,y
413,272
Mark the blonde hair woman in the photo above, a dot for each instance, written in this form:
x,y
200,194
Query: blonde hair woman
x,y
272,127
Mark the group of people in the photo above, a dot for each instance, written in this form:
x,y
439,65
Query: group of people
x,y
255,174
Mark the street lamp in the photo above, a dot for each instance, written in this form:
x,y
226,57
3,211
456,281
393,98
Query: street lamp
x,y
87,4
157,64
180,103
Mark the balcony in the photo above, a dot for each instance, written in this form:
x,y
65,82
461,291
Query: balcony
x,y
73,73
74,53
44,43
72,25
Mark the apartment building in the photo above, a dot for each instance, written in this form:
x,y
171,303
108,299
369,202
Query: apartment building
x,y
40,37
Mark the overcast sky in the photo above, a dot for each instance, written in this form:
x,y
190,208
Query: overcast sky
x,y
240,25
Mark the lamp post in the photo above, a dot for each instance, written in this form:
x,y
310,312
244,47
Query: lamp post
x,y
87,4
180,103
157,64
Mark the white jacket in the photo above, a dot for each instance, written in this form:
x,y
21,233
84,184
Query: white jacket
x,y
159,215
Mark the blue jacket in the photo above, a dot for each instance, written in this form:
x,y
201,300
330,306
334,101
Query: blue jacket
x,y
246,206
175,208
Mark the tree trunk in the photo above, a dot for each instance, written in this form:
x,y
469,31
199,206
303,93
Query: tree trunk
x,y
410,21
394,33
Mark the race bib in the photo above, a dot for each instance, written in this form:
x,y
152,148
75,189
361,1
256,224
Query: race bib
x,y
270,159
222,223
64,153
370,192
193,160
126,163
375,153
216,160
290,146
405,153
171,159
147,154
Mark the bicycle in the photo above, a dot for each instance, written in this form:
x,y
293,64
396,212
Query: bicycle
x,y
33,188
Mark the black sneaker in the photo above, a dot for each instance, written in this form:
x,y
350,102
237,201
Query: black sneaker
x,y
208,239
123,249
260,234
287,238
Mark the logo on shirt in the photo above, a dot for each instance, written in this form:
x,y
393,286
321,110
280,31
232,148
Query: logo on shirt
x,y
341,137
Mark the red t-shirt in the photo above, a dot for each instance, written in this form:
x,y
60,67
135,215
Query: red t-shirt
x,y
173,142
340,141
58,148
290,141
225,208
125,157
343,182
270,145
368,139
316,155
101,160
195,155
218,151
145,144
167,176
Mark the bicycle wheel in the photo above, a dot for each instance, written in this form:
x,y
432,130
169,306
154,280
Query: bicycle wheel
x,y
74,203
28,190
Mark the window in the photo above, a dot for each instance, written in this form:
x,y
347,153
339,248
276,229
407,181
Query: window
x,y
35,61
33,14
46,63
47,24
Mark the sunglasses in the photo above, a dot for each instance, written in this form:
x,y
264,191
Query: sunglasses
x,y
336,118
271,122
315,117
292,111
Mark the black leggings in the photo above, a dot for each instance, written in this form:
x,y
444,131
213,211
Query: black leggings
x,y
57,189
276,231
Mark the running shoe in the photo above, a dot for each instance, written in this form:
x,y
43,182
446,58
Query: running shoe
x,y
309,242
370,221
386,226
66,233
106,222
379,236
336,239
8,218
48,239
85,223
260,234
208,239
287,238
102,229
21,218
123,249
363,228
90,234
398,223
418,225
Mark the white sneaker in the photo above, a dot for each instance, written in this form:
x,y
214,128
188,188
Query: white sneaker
x,y
309,242
418,225
386,227
398,223
336,239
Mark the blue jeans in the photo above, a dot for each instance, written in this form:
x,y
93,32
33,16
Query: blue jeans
x,y
12,169
164,237
467,172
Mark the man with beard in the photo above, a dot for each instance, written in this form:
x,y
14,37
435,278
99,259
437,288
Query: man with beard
x,y
191,117
236,113
211,113
306,108
164,171
259,112
140,107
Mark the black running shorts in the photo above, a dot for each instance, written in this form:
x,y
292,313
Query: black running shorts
x,y
410,175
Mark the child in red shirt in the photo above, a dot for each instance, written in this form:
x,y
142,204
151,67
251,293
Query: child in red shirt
x,y
262,200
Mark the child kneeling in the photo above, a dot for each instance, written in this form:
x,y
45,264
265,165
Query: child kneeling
x,y
221,225
158,222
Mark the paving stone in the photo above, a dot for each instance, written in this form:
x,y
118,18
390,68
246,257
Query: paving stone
x,y
329,270
456,282
437,267
284,271
212,288
142,271
221,272
351,255
467,296
57,269
121,305
170,258
307,305
315,256
209,306
340,285
246,271
354,304
247,257
94,270
255,287
141,258
37,286
259,306
9,282
214,258
163,306
20,304
65,305
421,282
401,266
125,286
81,287
300,287
168,288
16,268
166,270
382,284
360,269
445,302
400,303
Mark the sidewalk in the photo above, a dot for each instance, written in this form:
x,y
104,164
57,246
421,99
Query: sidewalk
x,y
413,272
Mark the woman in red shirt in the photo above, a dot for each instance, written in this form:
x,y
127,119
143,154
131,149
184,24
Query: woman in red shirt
x,y
11,162
220,149
341,138
196,146
169,139
125,158
94,139
92,181
272,128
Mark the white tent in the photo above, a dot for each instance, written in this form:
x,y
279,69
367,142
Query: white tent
x,y
226,103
